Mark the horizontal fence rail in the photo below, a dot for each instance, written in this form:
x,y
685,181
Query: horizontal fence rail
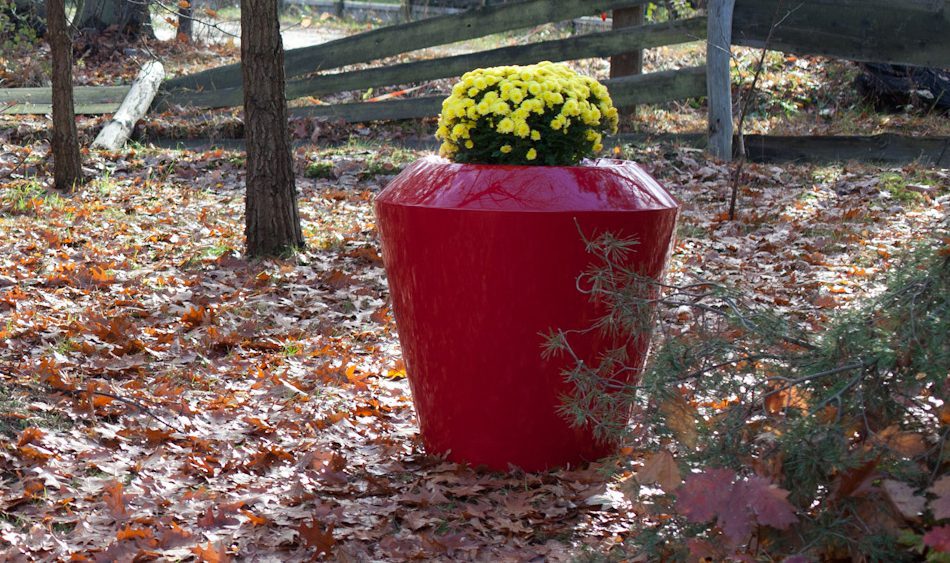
x,y
651,88
911,32
591,45
397,39
886,148
91,100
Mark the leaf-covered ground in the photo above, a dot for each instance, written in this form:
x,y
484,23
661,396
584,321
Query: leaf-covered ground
x,y
160,396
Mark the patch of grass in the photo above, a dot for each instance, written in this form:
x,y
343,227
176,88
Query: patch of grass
x,y
292,348
15,415
895,185
319,169
388,161
376,160
687,230
27,197
104,185
215,251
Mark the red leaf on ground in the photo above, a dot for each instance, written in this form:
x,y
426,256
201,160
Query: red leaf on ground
x,y
30,435
318,536
737,506
768,503
130,533
211,520
938,539
704,494
173,536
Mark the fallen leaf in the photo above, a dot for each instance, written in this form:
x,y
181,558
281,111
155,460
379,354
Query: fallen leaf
x,y
903,498
660,468
940,506
909,444
211,520
318,536
115,500
211,553
681,420
938,539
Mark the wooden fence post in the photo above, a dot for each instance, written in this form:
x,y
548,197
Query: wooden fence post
x,y
718,81
626,64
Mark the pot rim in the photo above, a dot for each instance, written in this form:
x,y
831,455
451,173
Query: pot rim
x,y
595,186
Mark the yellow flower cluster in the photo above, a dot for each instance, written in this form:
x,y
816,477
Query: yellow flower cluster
x,y
518,114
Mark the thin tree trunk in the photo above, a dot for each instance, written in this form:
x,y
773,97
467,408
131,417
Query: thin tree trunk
x,y
185,22
272,223
67,165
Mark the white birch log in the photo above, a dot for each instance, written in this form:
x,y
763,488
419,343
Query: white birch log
x,y
718,82
133,107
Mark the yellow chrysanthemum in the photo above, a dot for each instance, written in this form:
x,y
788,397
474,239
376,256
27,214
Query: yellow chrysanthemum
x,y
517,114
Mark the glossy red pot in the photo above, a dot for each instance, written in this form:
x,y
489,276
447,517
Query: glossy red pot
x,y
482,260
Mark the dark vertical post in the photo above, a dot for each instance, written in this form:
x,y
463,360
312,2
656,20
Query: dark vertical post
x,y
631,62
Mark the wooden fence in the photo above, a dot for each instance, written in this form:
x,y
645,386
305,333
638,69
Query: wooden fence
x,y
897,31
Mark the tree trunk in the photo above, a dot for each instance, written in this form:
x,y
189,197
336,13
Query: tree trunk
x,y
631,62
272,223
185,22
129,17
133,108
67,166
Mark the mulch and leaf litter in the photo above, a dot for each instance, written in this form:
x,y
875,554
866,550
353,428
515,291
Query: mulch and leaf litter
x,y
163,397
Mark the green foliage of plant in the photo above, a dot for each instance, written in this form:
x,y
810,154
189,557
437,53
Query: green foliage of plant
x,y
846,424
19,64
669,10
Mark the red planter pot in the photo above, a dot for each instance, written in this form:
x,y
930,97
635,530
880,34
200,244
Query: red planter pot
x,y
481,261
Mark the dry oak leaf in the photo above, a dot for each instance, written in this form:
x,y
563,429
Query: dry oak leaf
x,y
903,498
940,506
660,468
681,419
210,520
30,436
938,539
173,536
130,533
115,500
778,400
909,444
318,536
211,553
